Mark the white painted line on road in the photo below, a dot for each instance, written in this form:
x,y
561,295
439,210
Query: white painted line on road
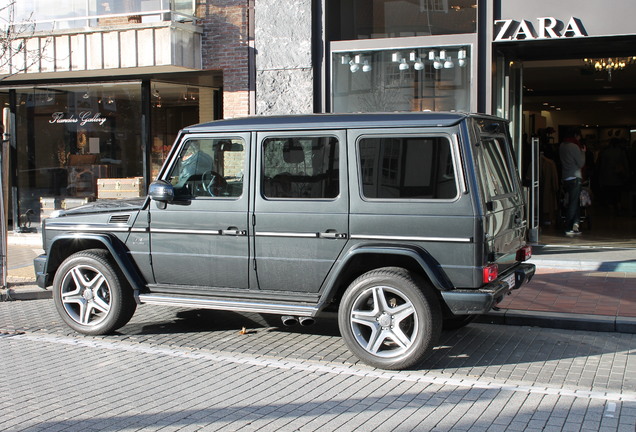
x,y
313,367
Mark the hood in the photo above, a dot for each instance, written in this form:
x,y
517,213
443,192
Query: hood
x,y
102,206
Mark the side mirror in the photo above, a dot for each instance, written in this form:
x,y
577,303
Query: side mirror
x,y
161,191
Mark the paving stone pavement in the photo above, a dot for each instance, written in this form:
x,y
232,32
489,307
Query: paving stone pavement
x,y
185,370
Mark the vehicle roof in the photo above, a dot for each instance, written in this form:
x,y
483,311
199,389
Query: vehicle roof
x,y
335,121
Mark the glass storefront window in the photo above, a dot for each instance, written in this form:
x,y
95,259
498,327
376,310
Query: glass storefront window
x,y
372,19
48,15
418,79
71,136
175,106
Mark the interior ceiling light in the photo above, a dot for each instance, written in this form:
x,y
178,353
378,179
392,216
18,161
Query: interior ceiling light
x,y
404,65
609,64
366,67
354,67
345,59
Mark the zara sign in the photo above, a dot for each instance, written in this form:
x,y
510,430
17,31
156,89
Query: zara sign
x,y
545,28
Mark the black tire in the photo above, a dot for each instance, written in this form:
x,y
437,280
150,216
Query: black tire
x,y
457,322
382,301
91,295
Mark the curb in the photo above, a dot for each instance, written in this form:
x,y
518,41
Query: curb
x,y
35,293
599,266
559,320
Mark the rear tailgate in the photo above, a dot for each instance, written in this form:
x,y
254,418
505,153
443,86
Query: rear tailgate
x,y
504,215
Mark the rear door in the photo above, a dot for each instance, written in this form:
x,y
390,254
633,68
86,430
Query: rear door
x,y
504,222
301,221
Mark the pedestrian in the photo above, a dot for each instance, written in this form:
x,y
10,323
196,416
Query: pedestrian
x,y
572,156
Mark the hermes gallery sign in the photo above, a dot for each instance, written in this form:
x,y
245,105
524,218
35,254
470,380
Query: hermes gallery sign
x,y
81,119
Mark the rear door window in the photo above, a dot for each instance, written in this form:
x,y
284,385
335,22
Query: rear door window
x,y
300,168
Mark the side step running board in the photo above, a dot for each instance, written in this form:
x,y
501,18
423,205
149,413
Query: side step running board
x,y
241,306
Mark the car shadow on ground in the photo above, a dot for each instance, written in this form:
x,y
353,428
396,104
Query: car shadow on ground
x,y
476,345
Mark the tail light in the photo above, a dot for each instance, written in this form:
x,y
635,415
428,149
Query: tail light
x,y
525,253
490,273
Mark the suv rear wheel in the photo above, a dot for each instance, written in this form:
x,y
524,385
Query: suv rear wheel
x,y
91,295
390,318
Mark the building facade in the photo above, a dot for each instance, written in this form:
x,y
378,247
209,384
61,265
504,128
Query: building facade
x,y
114,81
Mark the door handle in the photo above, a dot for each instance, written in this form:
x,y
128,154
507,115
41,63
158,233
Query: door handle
x,y
332,234
233,231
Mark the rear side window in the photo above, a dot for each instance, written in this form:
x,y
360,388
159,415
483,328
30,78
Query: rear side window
x,y
300,167
407,168
493,168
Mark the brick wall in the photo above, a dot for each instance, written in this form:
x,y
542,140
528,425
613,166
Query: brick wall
x,y
225,48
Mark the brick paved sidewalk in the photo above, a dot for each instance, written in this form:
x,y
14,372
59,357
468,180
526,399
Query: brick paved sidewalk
x,y
577,292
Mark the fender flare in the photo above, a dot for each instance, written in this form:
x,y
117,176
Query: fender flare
x,y
116,248
424,260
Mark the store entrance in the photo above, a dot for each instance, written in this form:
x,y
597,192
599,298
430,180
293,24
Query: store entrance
x,y
599,96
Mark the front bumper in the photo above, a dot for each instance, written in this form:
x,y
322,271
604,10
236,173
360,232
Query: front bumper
x,y
475,302
39,264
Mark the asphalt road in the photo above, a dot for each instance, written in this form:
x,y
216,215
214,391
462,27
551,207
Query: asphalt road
x,y
188,370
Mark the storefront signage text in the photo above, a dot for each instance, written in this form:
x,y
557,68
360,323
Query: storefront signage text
x,y
546,28
81,119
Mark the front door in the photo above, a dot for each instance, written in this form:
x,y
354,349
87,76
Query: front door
x,y
201,239
301,221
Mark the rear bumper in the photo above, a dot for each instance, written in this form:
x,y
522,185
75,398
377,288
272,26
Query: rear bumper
x,y
474,302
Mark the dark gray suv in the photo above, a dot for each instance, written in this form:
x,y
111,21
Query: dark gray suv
x,y
402,223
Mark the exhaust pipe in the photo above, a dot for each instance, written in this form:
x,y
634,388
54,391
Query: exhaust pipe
x,y
306,321
289,320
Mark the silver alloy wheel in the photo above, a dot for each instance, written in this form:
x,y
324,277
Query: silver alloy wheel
x,y
384,322
86,295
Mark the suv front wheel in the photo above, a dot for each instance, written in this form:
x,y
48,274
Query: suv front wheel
x,y
90,294
390,318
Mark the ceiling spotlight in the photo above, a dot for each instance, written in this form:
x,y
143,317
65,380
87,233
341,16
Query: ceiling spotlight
x,y
461,56
419,64
448,64
403,65
437,64
354,67
345,59
366,67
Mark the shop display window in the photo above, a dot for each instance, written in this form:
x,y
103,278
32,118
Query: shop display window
x,y
70,136
175,106
411,79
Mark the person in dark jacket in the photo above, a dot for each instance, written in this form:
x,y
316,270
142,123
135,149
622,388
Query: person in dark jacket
x,y
572,155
